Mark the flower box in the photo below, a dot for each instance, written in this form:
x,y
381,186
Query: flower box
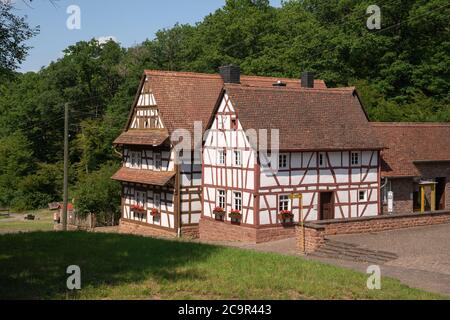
x,y
286,217
235,214
218,211
155,212
138,209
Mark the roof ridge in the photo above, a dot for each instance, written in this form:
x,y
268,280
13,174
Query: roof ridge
x,y
294,89
410,124
181,74
153,72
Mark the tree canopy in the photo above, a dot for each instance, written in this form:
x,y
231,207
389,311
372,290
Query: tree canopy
x,y
14,31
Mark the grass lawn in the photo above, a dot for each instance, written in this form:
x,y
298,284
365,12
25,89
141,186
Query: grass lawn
x,y
43,222
113,266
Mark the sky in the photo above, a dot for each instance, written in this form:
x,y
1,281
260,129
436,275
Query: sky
x,y
129,22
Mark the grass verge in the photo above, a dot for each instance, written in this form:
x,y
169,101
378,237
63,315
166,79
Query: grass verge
x,y
113,266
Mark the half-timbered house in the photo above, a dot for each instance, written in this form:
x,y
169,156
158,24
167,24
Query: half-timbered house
x,y
328,155
162,193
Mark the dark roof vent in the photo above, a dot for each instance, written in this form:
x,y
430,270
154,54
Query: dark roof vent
x,y
279,83
230,73
307,80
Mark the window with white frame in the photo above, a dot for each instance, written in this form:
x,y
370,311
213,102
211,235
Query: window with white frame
x,y
140,201
157,201
157,160
322,159
283,203
140,198
283,161
355,158
362,195
237,158
221,157
237,201
136,159
221,199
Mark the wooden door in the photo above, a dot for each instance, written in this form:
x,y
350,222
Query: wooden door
x,y
326,206
440,193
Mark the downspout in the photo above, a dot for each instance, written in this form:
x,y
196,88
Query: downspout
x,y
178,186
385,184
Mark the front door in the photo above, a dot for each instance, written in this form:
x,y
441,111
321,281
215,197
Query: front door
x,y
440,193
326,206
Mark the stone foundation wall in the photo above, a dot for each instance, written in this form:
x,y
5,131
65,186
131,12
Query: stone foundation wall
x,y
136,228
316,233
142,229
190,232
211,230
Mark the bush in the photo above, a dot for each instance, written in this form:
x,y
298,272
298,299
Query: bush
x,y
97,193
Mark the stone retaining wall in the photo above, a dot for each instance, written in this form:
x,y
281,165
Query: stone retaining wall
x,y
315,234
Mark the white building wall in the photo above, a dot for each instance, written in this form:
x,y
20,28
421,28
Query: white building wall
x,y
307,177
225,135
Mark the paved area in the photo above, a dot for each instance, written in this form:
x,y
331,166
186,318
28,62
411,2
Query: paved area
x,y
425,248
423,255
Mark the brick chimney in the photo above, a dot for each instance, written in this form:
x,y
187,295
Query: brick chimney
x,y
230,73
307,80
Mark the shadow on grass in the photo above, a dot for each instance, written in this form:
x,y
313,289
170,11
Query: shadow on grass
x,y
33,265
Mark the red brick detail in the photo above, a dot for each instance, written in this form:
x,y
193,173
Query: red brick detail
x,y
315,233
211,230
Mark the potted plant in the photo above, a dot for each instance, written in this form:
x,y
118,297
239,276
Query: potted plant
x,y
235,216
219,212
286,216
155,212
137,208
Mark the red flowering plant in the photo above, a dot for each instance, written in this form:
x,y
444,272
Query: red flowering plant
x,y
155,212
235,214
286,215
137,208
219,211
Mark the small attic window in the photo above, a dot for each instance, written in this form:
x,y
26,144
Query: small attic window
x,y
234,125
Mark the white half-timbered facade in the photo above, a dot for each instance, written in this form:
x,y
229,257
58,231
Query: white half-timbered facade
x,y
157,191
229,164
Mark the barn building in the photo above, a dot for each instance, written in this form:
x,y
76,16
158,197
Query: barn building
x,y
224,185
415,166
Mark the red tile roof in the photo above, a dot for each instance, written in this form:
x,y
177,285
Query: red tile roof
x,y
151,137
408,143
308,119
185,97
157,178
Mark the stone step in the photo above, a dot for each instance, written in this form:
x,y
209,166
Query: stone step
x,y
352,247
351,252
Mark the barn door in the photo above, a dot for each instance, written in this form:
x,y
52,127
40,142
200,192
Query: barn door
x,y
326,206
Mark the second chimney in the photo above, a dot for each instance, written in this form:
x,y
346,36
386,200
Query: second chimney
x,y
307,80
230,73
